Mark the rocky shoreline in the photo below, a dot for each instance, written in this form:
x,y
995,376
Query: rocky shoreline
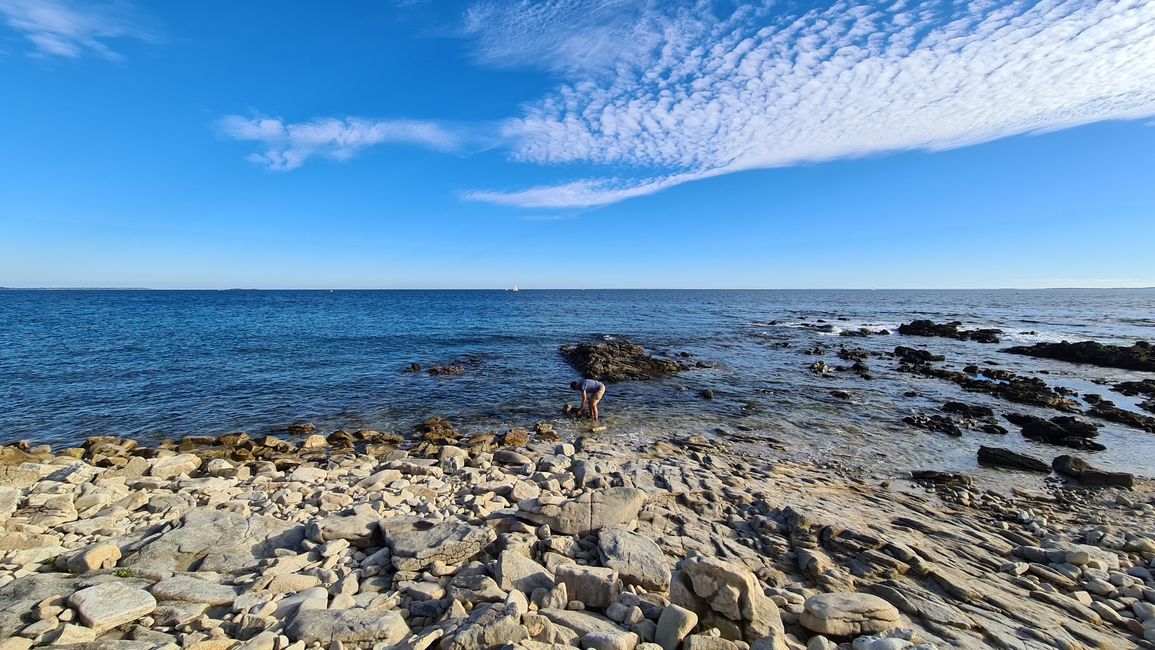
x,y
526,540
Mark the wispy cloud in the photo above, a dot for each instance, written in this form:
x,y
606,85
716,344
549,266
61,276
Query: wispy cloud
x,y
73,29
691,94
287,146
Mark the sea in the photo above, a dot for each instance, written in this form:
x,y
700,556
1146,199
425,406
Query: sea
x,y
156,365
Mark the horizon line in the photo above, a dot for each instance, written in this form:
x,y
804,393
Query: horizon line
x,y
331,289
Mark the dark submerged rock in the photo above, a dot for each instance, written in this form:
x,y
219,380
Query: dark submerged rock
x,y
1064,431
948,330
999,457
616,361
968,411
1087,474
916,356
939,423
1107,410
1139,356
1001,383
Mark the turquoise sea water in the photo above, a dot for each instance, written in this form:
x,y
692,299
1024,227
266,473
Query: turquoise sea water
x,y
164,364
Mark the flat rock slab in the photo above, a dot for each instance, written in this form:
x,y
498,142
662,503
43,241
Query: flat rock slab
x,y
638,560
589,512
848,614
18,597
516,571
358,526
215,540
109,604
416,545
581,622
347,626
191,590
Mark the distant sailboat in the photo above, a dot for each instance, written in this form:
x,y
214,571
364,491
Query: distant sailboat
x,y
515,288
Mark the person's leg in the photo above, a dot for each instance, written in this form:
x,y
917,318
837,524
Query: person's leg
x,y
594,403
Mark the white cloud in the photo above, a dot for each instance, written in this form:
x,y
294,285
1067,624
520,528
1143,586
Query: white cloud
x,y
288,145
72,29
695,94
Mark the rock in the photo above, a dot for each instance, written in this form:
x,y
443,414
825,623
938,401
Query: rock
x,y
300,429
616,361
939,423
673,626
595,586
358,526
705,584
1086,474
999,457
17,478
347,626
848,614
582,623
191,590
1139,356
948,330
516,571
916,357
968,411
173,466
417,543
109,604
1064,431
638,560
20,596
510,457
706,393
215,540
1107,410
620,640
489,626
102,555
473,589
587,513
73,634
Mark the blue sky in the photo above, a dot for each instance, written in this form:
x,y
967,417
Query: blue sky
x,y
614,143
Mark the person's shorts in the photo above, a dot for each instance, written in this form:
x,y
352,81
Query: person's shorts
x,y
597,397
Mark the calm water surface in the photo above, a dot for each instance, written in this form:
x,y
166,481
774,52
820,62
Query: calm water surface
x,y
161,364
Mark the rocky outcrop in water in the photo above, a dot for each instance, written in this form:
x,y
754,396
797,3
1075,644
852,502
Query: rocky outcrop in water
x,y
1087,474
1064,431
948,330
1138,356
615,361
1107,410
1004,384
999,457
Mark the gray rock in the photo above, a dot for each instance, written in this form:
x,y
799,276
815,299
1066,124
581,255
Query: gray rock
x,y
589,512
637,559
358,526
347,626
415,544
582,623
109,604
15,477
620,640
191,590
703,584
594,586
673,626
102,555
489,626
848,614
215,540
18,597
173,466
516,571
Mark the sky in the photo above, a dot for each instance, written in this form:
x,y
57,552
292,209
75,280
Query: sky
x,y
577,143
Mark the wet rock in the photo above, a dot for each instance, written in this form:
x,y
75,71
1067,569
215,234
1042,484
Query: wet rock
x,y
616,361
999,457
1138,356
938,423
637,560
417,543
413,367
848,614
948,330
588,512
347,626
301,428
916,356
1087,474
447,371
821,368
1006,385
1063,431
706,393
840,394
1107,410
969,411
109,604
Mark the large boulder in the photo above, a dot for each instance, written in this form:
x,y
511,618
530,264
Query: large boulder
x,y
704,585
616,361
358,525
999,457
848,614
214,540
637,560
516,571
1087,474
595,587
587,513
109,604
1064,431
416,543
347,626
489,626
17,598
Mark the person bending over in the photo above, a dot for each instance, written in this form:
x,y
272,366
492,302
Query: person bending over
x,y
592,392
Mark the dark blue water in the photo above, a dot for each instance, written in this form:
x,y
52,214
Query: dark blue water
x,y
164,364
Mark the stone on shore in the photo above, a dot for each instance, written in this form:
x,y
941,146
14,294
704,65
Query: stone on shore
x,y
594,586
173,466
516,571
587,513
193,590
215,540
673,626
706,584
637,560
102,555
109,604
999,457
417,543
1087,474
347,626
848,614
